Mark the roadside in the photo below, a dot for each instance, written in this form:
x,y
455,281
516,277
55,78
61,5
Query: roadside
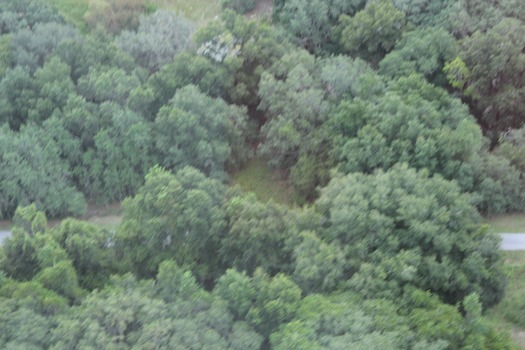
x,y
509,314
508,223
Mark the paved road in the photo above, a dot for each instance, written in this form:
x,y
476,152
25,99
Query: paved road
x,y
4,235
513,241
510,241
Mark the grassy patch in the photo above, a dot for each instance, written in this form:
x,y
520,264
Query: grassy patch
x,y
110,222
266,184
509,314
511,223
199,11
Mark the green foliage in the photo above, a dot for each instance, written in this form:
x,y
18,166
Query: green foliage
x,y
318,266
499,184
240,50
423,222
313,22
17,95
512,147
238,291
294,104
178,217
457,73
122,153
53,87
32,296
15,15
276,302
494,84
257,235
60,278
127,315
94,51
35,99
18,258
423,51
173,283
22,328
30,219
373,31
89,249
107,84
32,171
187,69
5,53
413,122
158,39
197,130
32,47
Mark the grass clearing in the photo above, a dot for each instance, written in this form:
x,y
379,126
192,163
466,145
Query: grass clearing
x,y
509,314
266,184
199,11
110,222
509,223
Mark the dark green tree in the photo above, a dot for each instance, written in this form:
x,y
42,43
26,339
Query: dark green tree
x,y
197,130
423,220
158,39
173,216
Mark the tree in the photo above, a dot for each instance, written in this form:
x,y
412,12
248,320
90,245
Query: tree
x,y
89,249
240,50
32,47
122,153
107,84
53,87
16,15
318,266
31,170
196,130
294,104
430,130
373,31
425,51
495,85
188,69
17,96
265,302
158,39
512,147
22,328
176,217
93,51
401,211
257,236
312,22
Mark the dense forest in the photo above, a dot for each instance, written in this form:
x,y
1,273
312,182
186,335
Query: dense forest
x,y
396,124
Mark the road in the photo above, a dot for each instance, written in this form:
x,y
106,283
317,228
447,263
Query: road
x,y
510,241
4,235
513,241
